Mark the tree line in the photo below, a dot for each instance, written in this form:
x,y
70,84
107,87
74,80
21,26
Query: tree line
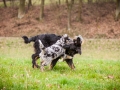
x,y
69,4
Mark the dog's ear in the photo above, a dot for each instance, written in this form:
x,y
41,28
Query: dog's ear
x,y
64,38
79,39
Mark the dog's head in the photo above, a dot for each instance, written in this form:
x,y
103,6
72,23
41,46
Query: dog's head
x,y
65,39
78,41
75,47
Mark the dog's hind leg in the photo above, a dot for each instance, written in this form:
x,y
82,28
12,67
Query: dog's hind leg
x,y
35,57
70,63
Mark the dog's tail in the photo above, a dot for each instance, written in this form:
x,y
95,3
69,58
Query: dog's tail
x,y
28,40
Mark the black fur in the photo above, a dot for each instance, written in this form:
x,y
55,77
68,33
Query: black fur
x,y
48,40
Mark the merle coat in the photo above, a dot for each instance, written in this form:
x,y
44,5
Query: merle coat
x,y
49,39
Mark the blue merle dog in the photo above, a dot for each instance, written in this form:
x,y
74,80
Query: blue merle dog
x,y
54,51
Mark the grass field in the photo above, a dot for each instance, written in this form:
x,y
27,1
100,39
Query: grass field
x,y
98,68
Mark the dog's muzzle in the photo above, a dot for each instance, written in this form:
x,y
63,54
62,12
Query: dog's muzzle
x,y
79,51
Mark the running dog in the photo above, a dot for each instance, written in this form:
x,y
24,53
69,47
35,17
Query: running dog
x,y
74,48
56,50
48,40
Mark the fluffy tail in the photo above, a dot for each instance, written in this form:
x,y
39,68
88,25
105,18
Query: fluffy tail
x,y
28,40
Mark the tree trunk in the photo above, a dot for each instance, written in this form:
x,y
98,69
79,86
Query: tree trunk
x,y
29,3
41,10
69,8
4,1
117,10
80,10
69,18
12,3
59,2
89,1
21,11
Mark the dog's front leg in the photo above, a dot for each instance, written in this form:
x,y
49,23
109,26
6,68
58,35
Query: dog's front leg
x,y
70,63
42,67
53,63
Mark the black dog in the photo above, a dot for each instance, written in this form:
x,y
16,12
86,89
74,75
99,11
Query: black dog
x,y
48,40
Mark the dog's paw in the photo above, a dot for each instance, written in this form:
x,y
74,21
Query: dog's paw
x,y
42,68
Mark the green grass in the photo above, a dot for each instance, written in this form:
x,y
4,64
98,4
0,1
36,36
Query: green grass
x,y
98,68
